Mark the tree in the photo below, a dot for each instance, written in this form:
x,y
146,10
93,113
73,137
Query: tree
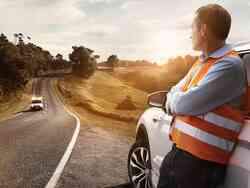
x,y
112,61
22,61
10,76
84,64
96,56
59,63
15,38
20,38
28,58
59,57
3,39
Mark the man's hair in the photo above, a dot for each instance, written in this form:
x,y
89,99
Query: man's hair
x,y
216,18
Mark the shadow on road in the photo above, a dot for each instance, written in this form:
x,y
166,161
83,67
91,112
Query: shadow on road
x,y
126,185
26,110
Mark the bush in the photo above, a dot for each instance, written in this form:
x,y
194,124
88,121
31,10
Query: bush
x,y
84,64
126,104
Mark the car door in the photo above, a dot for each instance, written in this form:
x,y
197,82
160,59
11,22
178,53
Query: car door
x,y
159,141
238,172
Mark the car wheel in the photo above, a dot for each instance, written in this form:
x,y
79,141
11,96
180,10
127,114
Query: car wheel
x,y
139,167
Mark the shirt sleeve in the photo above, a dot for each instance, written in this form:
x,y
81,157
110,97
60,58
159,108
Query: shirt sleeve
x,y
224,82
176,88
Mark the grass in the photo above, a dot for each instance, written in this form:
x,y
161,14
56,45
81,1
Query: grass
x,y
101,94
16,102
95,99
149,79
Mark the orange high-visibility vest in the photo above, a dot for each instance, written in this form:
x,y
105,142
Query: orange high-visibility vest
x,y
211,136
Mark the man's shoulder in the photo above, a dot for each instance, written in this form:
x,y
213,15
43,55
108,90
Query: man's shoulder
x,y
229,61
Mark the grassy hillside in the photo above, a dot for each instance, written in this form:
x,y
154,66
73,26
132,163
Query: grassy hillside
x,y
101,94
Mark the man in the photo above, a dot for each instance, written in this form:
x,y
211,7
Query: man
x,y
206,106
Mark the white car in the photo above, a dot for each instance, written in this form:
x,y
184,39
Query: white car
x,y
152,144
37,103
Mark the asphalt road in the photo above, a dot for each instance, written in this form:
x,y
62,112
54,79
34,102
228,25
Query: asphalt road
x,y
32,143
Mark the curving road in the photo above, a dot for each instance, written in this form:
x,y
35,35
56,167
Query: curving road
x,y
33,143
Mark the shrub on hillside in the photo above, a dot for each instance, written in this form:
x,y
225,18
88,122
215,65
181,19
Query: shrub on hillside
x,y
126,104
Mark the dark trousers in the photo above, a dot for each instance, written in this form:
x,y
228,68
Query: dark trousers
x,y
180,169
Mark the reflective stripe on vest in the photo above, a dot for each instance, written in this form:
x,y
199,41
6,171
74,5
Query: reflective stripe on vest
x,y
204,136
222,122
211,136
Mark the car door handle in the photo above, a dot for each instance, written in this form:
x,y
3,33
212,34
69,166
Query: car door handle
x,y
157,119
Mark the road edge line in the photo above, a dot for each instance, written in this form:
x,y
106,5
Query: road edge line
x,y
61,165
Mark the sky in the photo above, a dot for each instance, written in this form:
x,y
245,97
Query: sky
x,y
131,29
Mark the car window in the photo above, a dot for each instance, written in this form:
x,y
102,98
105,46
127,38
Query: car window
x,y
36,101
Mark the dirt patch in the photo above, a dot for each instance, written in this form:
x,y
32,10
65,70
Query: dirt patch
x,y
126,104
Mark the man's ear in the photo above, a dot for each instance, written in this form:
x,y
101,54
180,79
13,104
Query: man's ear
x,y
203,30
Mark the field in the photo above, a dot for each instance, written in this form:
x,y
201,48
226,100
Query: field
x,y
149,79
97,99
101,95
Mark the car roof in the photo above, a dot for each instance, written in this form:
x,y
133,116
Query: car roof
x,y
37,98
242,47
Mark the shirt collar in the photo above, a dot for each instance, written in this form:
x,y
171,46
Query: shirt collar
x,y
217,53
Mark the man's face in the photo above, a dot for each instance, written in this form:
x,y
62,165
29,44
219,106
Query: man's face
x,y
197,34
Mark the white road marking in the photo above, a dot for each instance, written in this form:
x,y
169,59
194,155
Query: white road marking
x,y
27,119
57,173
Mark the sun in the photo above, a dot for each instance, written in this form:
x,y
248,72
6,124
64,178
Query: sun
x,y
169,43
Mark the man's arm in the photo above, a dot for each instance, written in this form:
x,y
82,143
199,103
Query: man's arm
x,y
176,88
224,82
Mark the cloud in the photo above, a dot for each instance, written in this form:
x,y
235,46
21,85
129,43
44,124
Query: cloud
x,y
184,22
132,29
128,5
29,16
101,1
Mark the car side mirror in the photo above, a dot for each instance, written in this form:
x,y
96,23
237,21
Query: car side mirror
x,y
157,99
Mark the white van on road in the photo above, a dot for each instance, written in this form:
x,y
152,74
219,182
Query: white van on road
x,y
37,103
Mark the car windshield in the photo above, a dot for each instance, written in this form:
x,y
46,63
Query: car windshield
x,y
36,101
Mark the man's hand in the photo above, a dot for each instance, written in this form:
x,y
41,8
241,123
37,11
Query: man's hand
x,y
168,109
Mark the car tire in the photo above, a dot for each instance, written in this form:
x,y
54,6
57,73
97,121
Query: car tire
x,y
139,165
